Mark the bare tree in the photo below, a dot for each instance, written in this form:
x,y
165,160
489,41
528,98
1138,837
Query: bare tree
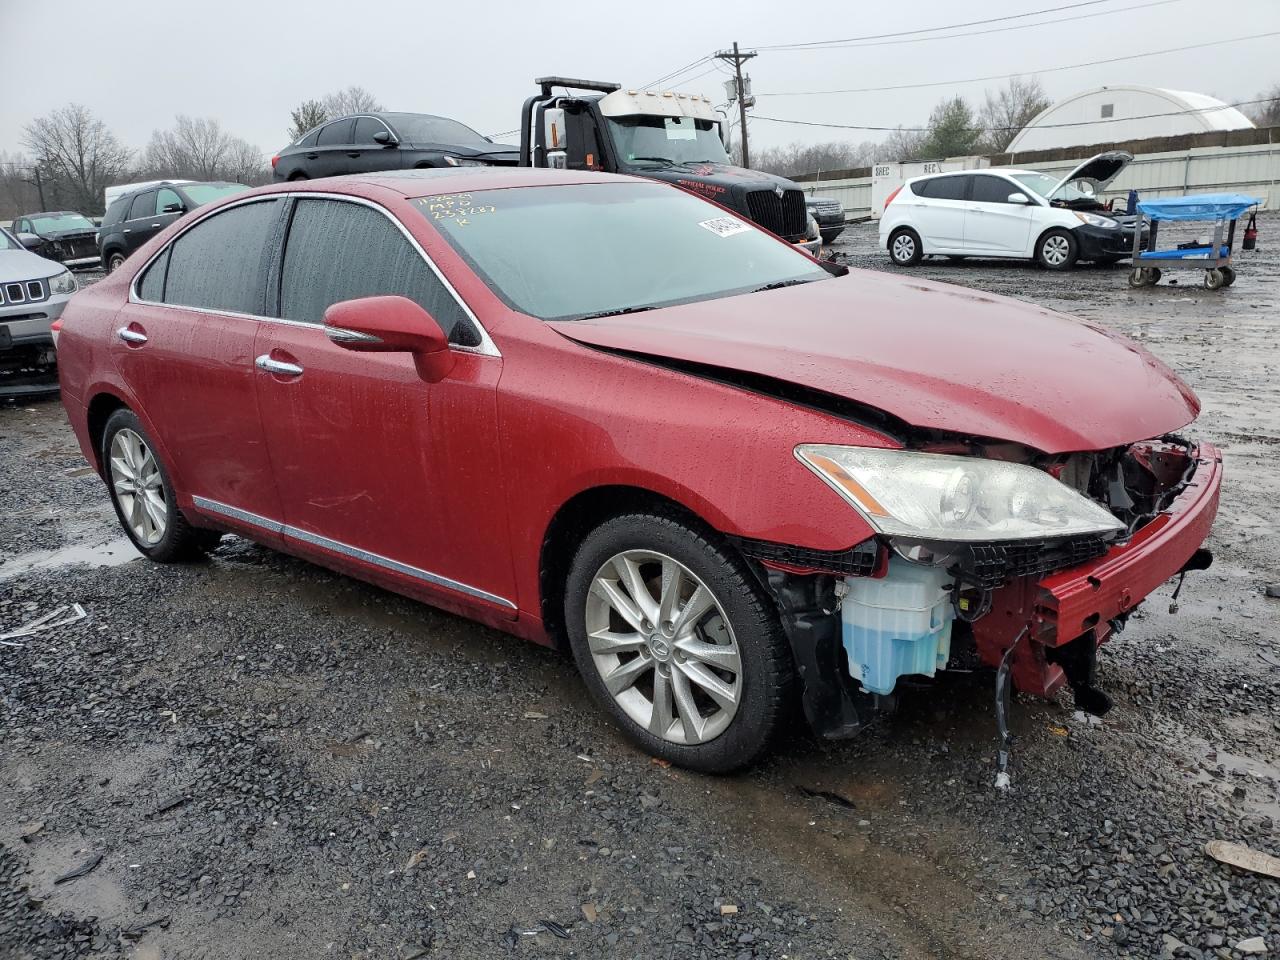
x,y
199,149
353,99
18,193
1267,113
1008,110
308,115
797,158
77,154
903,143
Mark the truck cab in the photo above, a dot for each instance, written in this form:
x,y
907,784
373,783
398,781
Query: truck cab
x,y
668,136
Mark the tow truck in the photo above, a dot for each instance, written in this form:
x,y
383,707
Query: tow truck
x,y
674,137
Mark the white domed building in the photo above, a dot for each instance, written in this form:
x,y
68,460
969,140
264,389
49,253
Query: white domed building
x,y
1129,112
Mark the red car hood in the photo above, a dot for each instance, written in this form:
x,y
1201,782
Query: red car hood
x,y
931,354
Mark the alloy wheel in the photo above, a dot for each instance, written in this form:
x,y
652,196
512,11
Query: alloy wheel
x,y
1056,249
664,647
904,248
139,488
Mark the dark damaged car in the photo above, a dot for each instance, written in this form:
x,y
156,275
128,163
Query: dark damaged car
x,y
68,237
724,475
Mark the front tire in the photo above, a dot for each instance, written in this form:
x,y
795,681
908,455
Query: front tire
x,y
115,261
143,494
676,640
1057,250
905,248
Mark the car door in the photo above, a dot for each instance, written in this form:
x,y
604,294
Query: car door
x,y
332,146
366,154
141,223
184,346
381,470
992,224
940,215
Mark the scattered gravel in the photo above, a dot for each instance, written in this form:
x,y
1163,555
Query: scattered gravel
x,y
273,760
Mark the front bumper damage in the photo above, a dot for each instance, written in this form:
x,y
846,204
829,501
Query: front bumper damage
x,y
1043,610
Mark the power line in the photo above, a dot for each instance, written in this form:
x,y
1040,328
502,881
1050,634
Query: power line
x,y
1021,73
675,73
1039,126
949,26
979,33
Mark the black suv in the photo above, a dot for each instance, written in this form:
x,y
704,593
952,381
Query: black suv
x,y
136,217
362,143
829,213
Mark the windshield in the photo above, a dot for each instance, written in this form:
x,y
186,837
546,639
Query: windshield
x,y
582,250
644,140
59,222
420,128
1043,185
7,242
202,193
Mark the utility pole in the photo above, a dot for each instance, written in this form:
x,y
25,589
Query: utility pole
x,y
737,59
38,183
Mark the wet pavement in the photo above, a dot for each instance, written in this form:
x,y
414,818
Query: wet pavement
x,y
276,761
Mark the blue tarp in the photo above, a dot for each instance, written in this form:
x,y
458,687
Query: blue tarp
x,y
1191,253
1205,206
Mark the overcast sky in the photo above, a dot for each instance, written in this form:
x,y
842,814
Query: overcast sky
x,y
138,63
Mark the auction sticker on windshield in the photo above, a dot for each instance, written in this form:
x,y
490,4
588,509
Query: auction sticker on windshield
x,y
724,226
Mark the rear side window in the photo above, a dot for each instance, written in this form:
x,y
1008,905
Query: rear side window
x,y
115,212
992,190
336,132
221,263
342,251
309,140
144,205
941,188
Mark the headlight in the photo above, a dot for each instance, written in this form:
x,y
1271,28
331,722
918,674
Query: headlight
x,y
932,496
1096,221
462,162
63,283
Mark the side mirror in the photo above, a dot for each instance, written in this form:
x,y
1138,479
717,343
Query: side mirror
x,y
29,240
391,325
384,138
174,208
1018,198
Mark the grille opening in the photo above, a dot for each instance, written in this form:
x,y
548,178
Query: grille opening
x,y
785,214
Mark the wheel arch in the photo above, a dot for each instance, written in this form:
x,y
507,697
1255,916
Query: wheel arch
x,y
576,517
97,412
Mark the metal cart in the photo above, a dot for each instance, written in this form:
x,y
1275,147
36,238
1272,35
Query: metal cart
x,y
1224,209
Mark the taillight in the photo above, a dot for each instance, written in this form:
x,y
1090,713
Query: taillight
x,y
892,195
274,161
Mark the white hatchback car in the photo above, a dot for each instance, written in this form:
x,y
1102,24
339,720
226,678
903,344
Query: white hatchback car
x,y
1005,212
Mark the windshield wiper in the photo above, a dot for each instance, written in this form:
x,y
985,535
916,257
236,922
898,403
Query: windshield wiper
x,y
779,284
613,313
667,160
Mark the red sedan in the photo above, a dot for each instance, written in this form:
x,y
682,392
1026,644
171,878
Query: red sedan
x,y
601,413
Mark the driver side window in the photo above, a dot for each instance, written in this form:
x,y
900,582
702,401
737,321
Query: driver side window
x,y
168,198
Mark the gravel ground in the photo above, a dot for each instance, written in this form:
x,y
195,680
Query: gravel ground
x,y
255,757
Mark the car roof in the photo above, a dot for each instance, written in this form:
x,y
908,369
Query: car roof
x,y
999,171
49,213
429,182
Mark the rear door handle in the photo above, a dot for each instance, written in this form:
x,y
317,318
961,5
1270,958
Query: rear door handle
x,y
131,336
313,156
265,362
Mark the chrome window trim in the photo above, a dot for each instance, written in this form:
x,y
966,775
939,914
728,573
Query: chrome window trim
x,y
486,347
297,533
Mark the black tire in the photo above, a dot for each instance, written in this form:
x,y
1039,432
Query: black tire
x,y
299,176
115,260
1057,249
1228,276
767,679
905,248
181,540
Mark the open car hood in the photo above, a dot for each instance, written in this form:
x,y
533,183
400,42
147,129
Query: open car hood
x,y
932,355
1100,170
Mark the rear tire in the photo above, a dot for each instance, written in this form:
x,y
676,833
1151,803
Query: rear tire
x,y
143,494
1228,276
1057,250
708,694
904,247
1214,279
299,176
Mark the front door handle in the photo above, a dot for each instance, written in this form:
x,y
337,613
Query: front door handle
x,y
313,156
265,362
136,337
353,154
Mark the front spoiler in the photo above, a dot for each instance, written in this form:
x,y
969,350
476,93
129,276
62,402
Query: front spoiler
x,y
1063,606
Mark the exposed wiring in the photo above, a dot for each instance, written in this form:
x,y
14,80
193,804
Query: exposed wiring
x,y
1002,711
1022,73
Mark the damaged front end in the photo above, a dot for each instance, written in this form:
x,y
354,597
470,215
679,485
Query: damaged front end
x,y
1000,558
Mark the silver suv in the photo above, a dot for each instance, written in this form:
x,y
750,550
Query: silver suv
x,y
33,293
